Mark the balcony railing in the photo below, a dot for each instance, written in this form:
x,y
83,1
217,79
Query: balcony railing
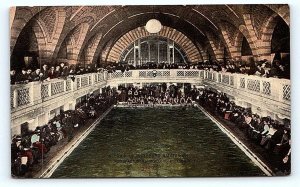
x,y
272,88
24,95
153,73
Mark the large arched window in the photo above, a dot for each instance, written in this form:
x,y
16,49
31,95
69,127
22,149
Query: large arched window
x,y
155,50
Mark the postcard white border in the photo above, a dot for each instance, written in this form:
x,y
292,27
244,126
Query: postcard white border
x,y
6,180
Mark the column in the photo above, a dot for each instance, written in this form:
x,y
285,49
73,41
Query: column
x,y
134,54
173,52
168,51
157,52
149,59
139,52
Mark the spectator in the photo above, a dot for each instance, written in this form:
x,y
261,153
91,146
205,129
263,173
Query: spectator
x,y
28,149
51,73
36,75
57,72
44,72
22,77
13,76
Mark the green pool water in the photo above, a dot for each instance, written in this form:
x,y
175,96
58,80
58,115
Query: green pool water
x,y
156,142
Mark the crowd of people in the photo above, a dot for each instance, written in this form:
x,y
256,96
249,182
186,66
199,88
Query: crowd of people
x,y
270,134
260,68
157,94
30,147
46,73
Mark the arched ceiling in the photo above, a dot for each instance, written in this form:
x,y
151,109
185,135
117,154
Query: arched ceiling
x,y
209,27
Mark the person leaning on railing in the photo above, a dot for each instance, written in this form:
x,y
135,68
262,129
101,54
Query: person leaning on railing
x,y
263,69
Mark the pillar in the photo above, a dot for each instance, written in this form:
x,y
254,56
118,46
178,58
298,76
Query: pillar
x,y
149,59
168,51
158,52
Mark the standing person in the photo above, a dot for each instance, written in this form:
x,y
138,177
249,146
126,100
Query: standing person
x,y
28,75
130,93
51,73
64,72
13,76
286,161
57,72
36,75
21,77
136,93
283,145
44,72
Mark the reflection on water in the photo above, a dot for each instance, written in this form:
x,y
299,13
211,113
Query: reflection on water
x,y
164,142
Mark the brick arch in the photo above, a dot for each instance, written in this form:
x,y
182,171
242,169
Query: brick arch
x,y
73,43
260,43
208,51
87,53
183,41
68,29
106,50
32,40
89,17
22,17
202,52
238,40
52,21
283,11
217,45
229,33
41,36
251,38
267,32
47,24
12,13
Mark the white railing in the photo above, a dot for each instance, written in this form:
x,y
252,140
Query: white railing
x,y
272,88
25,95
153,73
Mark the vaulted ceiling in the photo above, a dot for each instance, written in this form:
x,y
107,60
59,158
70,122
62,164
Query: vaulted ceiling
x,y
84,33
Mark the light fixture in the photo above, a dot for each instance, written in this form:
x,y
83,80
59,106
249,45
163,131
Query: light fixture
x,y
153,26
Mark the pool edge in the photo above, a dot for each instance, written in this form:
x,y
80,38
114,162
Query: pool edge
x,y
66,151
253,157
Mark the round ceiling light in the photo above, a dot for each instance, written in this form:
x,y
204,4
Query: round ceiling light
x,y
153,26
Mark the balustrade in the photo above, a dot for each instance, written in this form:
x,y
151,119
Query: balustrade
x,y
173,73
273,88
45,91
23,95
286,91
57,87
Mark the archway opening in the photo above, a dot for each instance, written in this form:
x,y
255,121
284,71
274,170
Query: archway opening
x,y
26,51
280,42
